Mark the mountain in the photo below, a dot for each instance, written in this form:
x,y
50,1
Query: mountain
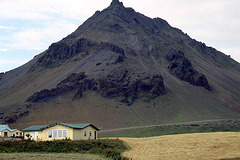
x,y
118,69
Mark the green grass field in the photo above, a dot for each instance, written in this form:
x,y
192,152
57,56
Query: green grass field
x,y
110,148
50,156
203,127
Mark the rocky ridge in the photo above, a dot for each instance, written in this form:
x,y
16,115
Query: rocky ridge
x,y
182,68
60,52
116,85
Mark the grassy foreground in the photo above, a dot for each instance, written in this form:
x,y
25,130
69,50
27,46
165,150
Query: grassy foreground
x,y
111,148
219,145
51,156
203,127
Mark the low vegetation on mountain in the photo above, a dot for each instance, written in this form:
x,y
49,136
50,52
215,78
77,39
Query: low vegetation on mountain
x,y
201,127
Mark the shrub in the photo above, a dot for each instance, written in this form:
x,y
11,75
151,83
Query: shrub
x,y
111,148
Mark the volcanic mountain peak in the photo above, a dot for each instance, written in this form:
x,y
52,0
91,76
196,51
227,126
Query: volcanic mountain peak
x,y
116,3
120,63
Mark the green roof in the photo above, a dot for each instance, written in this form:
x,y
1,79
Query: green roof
x,y
4,126
75,126
35,128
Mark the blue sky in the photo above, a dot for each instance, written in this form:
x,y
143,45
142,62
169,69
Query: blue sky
x,y
28,27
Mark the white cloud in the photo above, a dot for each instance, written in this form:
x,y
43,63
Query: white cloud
x,y
41,10
3,49
40,38
6,27
21,9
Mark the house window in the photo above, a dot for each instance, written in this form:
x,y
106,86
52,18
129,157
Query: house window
x,y
16,133
54,133
36,135
59,133
31,134
20,134
65,133
85,133
49,133
90,133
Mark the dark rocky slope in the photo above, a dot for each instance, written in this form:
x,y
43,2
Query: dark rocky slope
x,y
117,85
182,68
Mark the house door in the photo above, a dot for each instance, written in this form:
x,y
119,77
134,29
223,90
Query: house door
x,y
95,134
5,134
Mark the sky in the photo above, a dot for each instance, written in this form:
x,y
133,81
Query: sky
x,y
28,27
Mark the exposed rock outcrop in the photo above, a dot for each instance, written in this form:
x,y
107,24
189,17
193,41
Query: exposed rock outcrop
x,y
121,85
11,116
60,52
182,68
115,85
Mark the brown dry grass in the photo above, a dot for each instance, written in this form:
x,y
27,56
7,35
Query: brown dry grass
x,y
186,146
47,156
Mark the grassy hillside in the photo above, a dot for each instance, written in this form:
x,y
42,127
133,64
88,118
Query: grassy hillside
x,y
186,146
203,127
